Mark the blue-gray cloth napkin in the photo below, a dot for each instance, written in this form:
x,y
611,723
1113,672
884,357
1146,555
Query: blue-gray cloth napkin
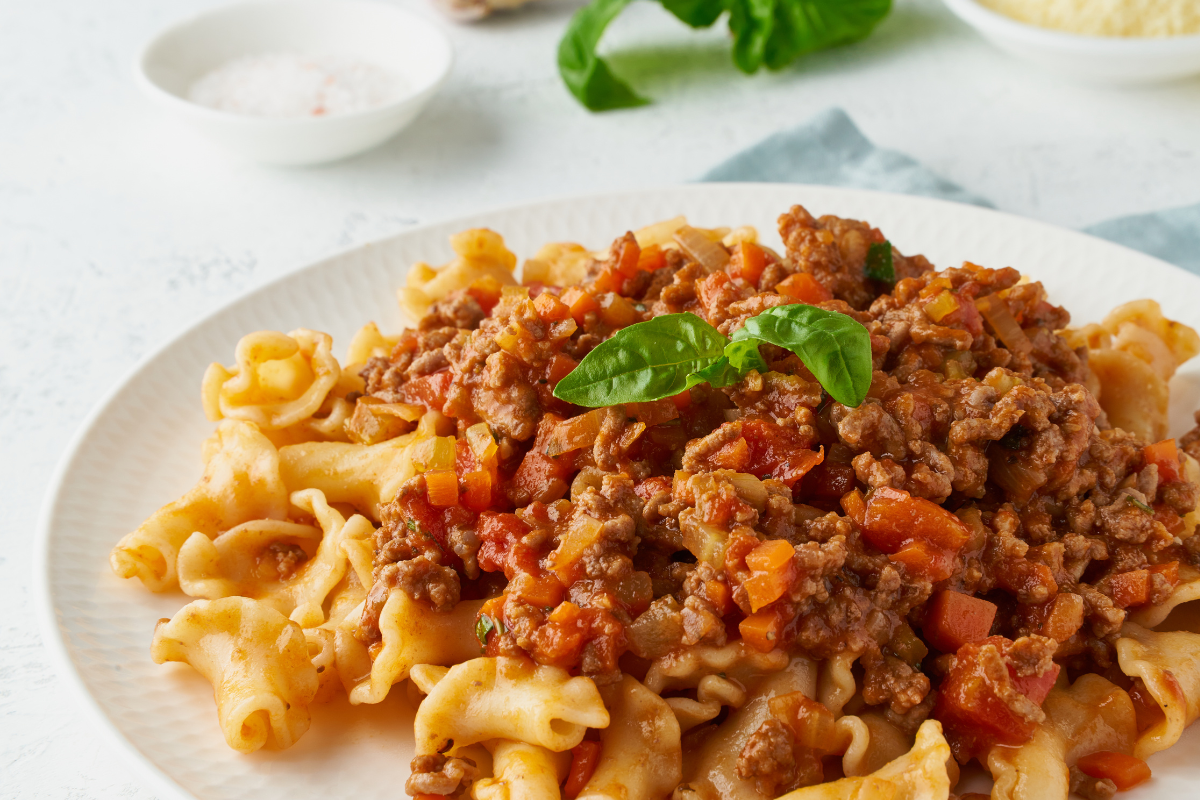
x,y
830,150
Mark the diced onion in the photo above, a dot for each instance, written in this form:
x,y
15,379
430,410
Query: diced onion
x,y
483,445
574,433
708,253
435,453
1003,324
941,306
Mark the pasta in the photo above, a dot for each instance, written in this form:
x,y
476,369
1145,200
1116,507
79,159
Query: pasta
x,y
256,660
519,701
240,484
787,563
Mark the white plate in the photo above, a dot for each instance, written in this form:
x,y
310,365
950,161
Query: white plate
x,y
140,449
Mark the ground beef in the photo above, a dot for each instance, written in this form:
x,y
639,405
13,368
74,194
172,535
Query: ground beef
x,y
281,560
888,680
768,758
440,775
1091,788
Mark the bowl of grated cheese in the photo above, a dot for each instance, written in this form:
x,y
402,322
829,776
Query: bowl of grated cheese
x,y
1112,42
297,81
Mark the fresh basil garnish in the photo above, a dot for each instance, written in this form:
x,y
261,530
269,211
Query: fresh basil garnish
x,y
835,348
646,361
879,263
770,33
665,355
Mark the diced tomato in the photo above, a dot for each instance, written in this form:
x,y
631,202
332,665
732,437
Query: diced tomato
x,y
652,486
560,641
1123,770
971,709
1130,588
966,316
1169,570
580,303
778,452
805,288
748,262
762,630
734,455
536,474
1165,455
429,390
584,758
560,366
682,400
953,619
486,292
497,534
441,487
550,308
1061,617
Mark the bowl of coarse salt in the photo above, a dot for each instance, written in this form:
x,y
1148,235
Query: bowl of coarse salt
x,y
297,81
1110,42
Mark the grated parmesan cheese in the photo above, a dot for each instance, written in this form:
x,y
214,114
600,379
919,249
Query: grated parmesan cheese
x,y
287,85
1138,18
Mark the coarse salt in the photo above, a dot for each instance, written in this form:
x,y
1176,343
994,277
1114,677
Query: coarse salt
x,y
290,85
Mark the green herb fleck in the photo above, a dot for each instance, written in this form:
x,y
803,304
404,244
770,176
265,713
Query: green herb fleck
x,y
411,524
484,626
879,262
1139,504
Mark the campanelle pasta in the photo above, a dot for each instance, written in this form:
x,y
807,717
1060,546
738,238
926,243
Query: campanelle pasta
x,y
743,584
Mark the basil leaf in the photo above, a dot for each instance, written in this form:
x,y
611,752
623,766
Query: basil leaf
x,y
483,626
806,26
646,361
718,374
751,22
696,13
834,347
879,262
587,75
743,354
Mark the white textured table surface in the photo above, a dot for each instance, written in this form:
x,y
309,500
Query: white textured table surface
x,y
118,228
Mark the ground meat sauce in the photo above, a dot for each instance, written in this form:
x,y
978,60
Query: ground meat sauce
x,y
978,481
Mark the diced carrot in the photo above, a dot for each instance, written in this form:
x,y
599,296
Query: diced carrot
x,y
761,630
764,588
441,485
1130,588
609,280
855,505
544,591
1123,770
561,365
734,455
564,613
477,490
580,303
1063,617
748,262
894,516
770,556
550,308
1165,455
1169,570
627,255
584,758
925,560
804,287
652,258
719,595
617,311
811,723
953,619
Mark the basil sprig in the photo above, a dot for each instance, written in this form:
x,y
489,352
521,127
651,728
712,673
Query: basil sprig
x,y
770,33
666,355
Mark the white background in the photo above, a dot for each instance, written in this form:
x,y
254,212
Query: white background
x,y
118,228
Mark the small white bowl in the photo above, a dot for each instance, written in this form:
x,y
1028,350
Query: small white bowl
x,y
1112,60
389,37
